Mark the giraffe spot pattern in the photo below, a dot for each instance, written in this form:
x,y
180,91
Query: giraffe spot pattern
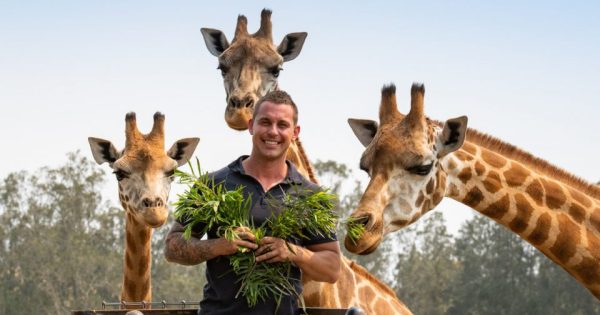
x,y
542,228
595,219
593,244
128,262
130,285
473,197
524,211
451,164
420,199
577,212
469,148
493,159
400,222
131,246
555,196
493,182
145,288
453,190
588,271
567,239
429,187
580,198
479,168
426,206
536,192
144,264
516,175
437,197
144,234
465,175
463,156
497,209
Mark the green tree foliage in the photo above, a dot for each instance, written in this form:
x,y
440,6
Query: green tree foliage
x,y
426,267
61,244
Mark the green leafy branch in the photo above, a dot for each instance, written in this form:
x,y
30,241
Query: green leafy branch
x,y
299,213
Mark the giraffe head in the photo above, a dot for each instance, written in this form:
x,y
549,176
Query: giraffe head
x,y
403,157
250,65
143,169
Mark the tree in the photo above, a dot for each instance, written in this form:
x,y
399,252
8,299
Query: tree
x,y
427,266
60,240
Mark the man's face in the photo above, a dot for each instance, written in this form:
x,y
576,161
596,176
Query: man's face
x,y
273,130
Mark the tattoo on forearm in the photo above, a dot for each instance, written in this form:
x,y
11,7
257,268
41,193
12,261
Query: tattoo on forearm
x,y
188,252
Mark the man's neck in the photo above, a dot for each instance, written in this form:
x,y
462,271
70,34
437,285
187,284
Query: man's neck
x,y
267,172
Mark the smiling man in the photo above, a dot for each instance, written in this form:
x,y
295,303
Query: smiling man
x,y
264,174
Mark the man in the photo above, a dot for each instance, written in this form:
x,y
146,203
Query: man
x,y
264,174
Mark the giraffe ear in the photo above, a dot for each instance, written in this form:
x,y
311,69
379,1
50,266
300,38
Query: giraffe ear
x,y
182,150
103,150
215,41
291,45
453,135
364,129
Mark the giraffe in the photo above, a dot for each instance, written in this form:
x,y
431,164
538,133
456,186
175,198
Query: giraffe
x,y
250,66
144,172
414,162
356,287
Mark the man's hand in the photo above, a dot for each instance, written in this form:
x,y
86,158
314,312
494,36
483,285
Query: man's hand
x,y
274,249
244,239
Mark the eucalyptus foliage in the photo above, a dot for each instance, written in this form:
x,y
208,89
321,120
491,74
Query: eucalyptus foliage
x,y
301,213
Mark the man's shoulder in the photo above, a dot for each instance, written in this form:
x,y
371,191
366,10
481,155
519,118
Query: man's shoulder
x,y
220,175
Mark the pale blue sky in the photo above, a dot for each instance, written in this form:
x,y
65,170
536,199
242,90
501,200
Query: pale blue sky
x,y
528,73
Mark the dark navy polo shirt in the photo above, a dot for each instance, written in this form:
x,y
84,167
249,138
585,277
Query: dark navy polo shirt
x,y
222,286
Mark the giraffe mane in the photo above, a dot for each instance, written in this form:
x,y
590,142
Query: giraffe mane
x,y
535,163
358,269
305,161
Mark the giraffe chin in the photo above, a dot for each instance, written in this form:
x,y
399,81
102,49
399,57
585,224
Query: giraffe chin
x,y
155,217
364,246
238,118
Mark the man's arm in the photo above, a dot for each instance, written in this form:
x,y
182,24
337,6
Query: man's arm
x,y
195,251
319,262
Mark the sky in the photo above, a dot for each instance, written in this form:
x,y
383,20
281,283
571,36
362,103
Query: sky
x,y
526,72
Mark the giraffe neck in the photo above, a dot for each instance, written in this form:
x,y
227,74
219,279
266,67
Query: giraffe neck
x,y
355,287
559,219
136,276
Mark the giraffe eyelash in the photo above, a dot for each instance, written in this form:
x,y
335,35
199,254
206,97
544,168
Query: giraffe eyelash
x,y
420,169
121,174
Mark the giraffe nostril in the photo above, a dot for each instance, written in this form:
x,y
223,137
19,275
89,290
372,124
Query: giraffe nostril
x,y
234,102
147,202
159,202
248,102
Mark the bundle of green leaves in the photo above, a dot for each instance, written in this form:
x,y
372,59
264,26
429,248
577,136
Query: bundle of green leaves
x,y
300,213
354,228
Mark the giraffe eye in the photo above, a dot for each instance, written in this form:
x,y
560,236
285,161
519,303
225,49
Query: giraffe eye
x,y
224,69
120,174
420,169
275,71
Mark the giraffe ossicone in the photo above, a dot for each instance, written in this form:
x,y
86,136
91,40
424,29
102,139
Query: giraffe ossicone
x,y
413,162
144,172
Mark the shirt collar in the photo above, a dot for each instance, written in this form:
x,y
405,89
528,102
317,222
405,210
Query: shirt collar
x,y
292,177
